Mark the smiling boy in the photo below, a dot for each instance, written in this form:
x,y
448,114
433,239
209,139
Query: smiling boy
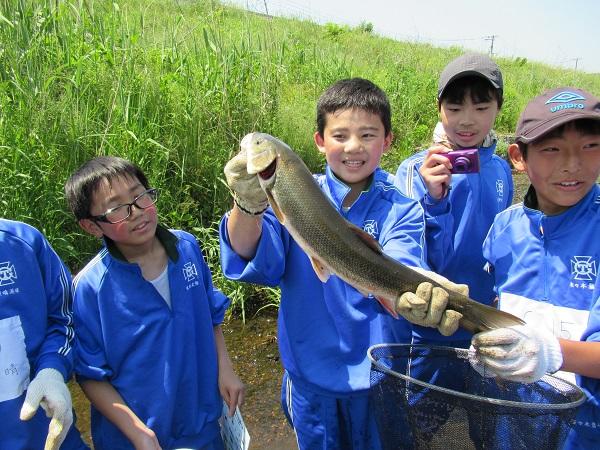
x,y
545,253
459,208
353,160
325,329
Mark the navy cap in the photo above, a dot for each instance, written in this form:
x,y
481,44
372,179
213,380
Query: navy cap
x,y
471,64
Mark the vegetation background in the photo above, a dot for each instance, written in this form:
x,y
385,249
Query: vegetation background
x,y
173,85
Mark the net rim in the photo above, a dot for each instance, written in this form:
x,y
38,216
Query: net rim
x,y
472,397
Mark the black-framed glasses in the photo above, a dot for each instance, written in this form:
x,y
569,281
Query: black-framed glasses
x,y
122,212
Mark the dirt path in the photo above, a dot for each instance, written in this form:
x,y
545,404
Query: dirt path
x,y
253,350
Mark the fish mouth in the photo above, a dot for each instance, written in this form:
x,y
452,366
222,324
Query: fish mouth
x,y
260,150
269,171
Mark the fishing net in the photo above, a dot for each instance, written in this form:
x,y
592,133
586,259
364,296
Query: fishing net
x,y
439,401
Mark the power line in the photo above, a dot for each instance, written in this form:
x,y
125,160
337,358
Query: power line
x,y
291,8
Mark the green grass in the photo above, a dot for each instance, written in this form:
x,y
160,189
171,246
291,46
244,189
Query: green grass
x,y
174,85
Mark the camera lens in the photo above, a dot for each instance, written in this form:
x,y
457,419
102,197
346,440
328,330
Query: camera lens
x,y
461,164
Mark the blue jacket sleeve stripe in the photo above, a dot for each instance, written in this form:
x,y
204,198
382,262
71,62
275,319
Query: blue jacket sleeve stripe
x,y
88,266
410,175
67,313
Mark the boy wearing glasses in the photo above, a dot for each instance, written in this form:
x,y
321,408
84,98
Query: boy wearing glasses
x,y
151,355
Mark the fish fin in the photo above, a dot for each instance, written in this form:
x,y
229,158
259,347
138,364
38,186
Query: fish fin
x,y
468,325
280,216
369,240
388,305
479,317
321,270
364,294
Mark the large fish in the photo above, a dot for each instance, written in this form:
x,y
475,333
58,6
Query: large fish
x,y
334,245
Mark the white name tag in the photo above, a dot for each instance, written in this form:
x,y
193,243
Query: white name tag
x,y
565,323
14,365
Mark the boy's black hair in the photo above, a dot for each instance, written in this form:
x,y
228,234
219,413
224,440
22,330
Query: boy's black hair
x,y
85,181
354,93
583,126
479,89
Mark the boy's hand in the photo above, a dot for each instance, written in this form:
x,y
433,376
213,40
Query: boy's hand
x,y
145,439
231,387
427,306
245,188
48,390
518,353
436,171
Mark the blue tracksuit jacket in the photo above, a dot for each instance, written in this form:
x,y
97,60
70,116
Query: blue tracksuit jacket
x,y
553,261
324,329
161,360
458,223
36,330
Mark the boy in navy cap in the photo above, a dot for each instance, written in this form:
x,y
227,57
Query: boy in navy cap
x,y
545,252
460,207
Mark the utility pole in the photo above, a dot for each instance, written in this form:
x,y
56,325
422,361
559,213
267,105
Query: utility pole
x,y
266,9
491,38
572,59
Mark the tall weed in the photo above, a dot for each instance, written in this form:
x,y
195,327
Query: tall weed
x,y
174,85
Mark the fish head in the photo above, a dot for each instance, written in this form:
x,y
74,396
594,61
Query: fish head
x,y
280,172
263,152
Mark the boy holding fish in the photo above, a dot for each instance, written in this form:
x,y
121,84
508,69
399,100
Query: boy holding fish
x,y
461,205
325,326
151,353
544,254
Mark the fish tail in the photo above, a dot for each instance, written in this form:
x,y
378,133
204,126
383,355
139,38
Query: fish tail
x,y
478,317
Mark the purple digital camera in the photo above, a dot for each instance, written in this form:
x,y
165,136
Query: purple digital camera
x,y
464,161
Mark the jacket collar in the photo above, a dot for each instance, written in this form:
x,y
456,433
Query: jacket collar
x,y
166,238
338,189
486,153
563,221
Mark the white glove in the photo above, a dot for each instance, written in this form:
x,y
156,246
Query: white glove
x,y
427,306
518,353
245,188
49,390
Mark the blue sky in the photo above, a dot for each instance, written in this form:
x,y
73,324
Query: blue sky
x,y
557,32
